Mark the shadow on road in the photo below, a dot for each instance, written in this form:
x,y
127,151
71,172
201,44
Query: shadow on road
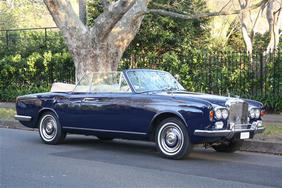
x,y
142,149
144,155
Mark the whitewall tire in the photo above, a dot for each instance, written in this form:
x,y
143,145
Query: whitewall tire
x,y
172,139
50,130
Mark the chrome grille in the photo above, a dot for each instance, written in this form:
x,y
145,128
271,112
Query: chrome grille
x,y
238,114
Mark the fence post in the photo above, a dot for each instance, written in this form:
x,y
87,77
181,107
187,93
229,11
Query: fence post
x,y
45,37
7,38
261,73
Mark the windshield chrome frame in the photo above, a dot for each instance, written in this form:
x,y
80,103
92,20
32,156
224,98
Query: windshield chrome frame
x,y
91,78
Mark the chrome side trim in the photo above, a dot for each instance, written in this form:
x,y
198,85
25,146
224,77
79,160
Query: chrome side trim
x,y
104,130
22,118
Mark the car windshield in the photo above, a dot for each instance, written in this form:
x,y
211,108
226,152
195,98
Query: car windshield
x,y
150,80
111,82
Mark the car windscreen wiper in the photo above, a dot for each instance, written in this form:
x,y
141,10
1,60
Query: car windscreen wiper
x,y
150,91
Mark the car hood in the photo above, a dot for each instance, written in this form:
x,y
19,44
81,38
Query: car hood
x,y
215,100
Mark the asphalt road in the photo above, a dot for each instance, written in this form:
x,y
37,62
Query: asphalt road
x,y
88,162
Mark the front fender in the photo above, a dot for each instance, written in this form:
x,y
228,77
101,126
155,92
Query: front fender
x,y
192,117
167,113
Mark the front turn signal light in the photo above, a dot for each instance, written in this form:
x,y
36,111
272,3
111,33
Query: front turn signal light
x,y
262,113
211,115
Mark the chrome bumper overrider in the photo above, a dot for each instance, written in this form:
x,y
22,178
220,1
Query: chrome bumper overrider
x,y
227,132
22,118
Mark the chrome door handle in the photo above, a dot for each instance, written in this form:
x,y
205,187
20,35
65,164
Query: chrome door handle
x,y
88,99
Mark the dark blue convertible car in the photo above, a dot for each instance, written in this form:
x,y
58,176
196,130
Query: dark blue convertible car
x,y
141,104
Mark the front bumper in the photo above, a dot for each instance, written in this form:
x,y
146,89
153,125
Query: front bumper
x,y
229,133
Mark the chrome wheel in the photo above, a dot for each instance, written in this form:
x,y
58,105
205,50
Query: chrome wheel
x,y
170,138
48,128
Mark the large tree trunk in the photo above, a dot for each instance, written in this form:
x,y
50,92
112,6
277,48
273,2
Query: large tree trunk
x,y
100,48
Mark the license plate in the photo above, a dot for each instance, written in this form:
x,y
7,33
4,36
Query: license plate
x,y
245,135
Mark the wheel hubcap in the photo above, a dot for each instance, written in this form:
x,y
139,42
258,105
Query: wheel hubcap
x,y
170,138
48,127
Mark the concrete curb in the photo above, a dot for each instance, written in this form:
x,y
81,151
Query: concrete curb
x,y
262,147
272,118
249,145
10,124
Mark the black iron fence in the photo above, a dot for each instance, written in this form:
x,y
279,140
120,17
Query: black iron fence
x,y
222,73
258,76
44,59
25,41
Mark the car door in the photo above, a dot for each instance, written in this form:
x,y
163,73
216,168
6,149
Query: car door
x,y
108,105
69,110
107,112
69,107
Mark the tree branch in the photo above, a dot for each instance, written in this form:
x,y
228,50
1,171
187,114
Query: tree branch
x,y
244,16
256,20
105,4
65,17
202,15
73,30
126,29
108,19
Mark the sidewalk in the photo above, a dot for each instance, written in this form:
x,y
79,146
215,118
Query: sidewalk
x,y
273,118
7,105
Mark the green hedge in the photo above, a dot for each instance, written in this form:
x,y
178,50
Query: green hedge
x,y
34,73
10,93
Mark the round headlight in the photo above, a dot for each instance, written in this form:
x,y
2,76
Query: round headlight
x,y
257,113
252,113
224,113
218,114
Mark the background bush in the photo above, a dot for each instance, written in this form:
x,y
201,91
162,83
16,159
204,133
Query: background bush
x,y
31,61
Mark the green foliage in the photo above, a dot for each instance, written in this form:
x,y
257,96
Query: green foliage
x,y
159,35
236,42
34,73
26,42
31,61
24,14
10,93
94,9
273,103
7,19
